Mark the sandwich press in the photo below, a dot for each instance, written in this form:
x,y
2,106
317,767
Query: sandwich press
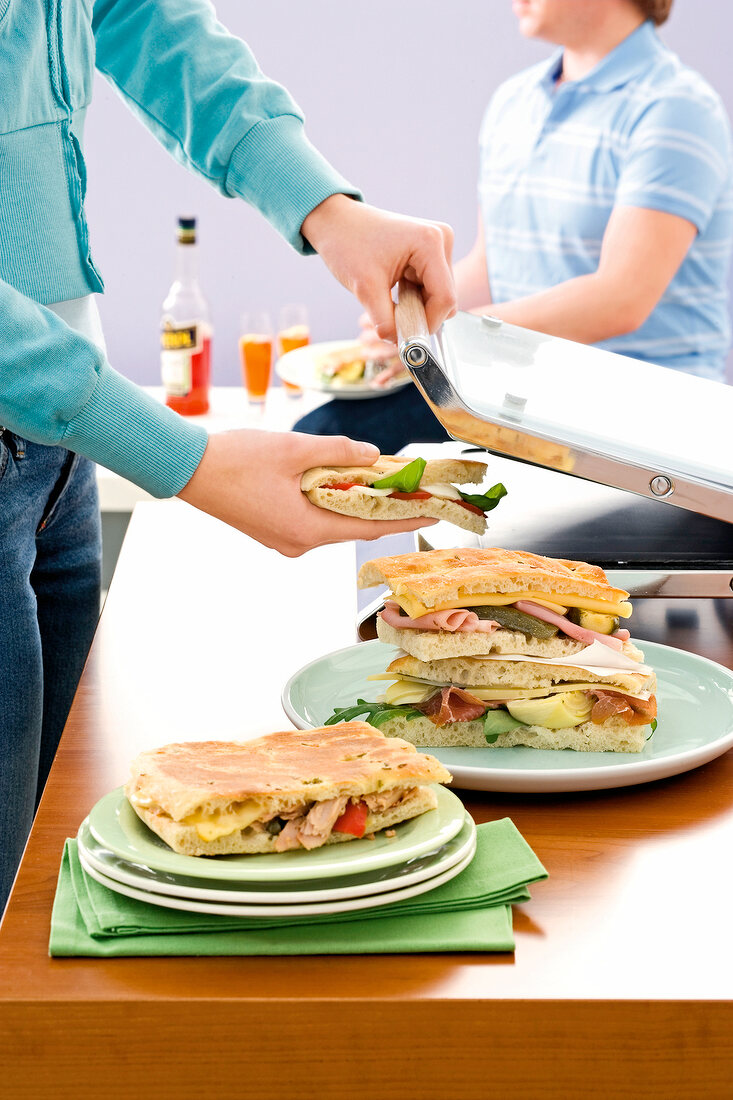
x,y
642,454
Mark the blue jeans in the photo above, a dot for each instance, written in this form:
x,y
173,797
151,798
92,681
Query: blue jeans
x,y
50,565
390,422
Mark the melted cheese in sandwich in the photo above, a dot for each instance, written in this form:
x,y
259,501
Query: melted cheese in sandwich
x,y
415,608
215,823
417,691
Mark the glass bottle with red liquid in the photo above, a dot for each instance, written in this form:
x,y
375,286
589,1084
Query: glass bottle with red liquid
x,y
185,332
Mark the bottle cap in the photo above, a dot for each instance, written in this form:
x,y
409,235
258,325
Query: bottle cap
x,y
187,230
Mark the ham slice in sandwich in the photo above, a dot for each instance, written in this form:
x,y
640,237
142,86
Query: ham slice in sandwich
x,y
499,647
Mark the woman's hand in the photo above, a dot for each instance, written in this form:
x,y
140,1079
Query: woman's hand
x,y
369,250
251,480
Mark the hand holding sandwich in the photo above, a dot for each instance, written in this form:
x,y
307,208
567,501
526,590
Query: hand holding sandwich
x,y
370,250
251,480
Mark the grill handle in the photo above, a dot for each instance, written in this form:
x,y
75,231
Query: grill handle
x,y
410,319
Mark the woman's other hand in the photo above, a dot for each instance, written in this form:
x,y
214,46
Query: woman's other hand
x,y
370,250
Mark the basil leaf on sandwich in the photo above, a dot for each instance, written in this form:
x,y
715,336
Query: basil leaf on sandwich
x,y
485,501
376,713
405,480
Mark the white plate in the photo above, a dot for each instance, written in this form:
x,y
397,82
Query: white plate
x,y
267,893
300,368
694,697
115,825
346,905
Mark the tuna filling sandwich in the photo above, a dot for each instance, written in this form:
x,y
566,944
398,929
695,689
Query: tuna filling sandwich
x,y
503,648
295,789
397,488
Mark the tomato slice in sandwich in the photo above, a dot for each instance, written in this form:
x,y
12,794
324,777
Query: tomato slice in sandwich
x,y
470,507
353,819
409,496
342,485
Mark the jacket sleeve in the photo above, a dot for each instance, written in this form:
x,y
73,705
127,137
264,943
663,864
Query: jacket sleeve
x,y
57,388
200,91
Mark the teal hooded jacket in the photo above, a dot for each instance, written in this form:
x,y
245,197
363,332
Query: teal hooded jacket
x,y
200,91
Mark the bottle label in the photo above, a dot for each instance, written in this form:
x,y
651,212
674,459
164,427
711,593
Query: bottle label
x,y
179,345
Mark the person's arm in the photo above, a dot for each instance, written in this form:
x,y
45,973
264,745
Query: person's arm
x,y
641,252
58,389
674,168
200,91
472,276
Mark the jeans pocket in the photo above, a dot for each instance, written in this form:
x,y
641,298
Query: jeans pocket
x,y
58,491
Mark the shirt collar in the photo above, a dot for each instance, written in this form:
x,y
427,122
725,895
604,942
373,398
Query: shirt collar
x,y
629,58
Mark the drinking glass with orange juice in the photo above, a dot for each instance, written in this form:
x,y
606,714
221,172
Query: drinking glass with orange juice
x,y
292,332
255,350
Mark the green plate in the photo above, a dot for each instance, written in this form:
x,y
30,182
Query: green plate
x,y
694,697
115,825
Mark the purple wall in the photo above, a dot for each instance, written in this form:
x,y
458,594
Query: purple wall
x,y
393,94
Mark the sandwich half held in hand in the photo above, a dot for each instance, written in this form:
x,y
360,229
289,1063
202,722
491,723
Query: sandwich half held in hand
x,y
508,648
400,488
295,789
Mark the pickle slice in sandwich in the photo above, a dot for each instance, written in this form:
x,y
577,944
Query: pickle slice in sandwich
x,y
511,619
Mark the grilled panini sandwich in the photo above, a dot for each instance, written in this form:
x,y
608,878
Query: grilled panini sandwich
x,y
506,648
398,488
287,790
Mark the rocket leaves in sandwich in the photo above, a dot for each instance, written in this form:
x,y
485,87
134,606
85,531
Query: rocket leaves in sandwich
x,y
497,722
405,480
376,713
653,725
485,501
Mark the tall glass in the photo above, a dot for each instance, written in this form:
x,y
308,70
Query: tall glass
x,y
255,350
293,332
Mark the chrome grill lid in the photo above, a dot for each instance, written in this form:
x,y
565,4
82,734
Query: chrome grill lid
x,y
593,414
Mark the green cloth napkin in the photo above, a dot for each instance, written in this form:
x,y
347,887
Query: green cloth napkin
x,y
469,913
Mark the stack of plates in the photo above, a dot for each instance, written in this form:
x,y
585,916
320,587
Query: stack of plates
x,y
118,850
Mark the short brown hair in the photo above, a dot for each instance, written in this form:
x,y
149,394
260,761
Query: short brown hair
x,y
656,10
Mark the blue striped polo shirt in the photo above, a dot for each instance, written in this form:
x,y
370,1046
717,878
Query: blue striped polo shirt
x,y
641,129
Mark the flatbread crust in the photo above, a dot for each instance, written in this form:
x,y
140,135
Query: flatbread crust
x,y
186,840
455,471
436,577
473,671
613,735
279,771
353,503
